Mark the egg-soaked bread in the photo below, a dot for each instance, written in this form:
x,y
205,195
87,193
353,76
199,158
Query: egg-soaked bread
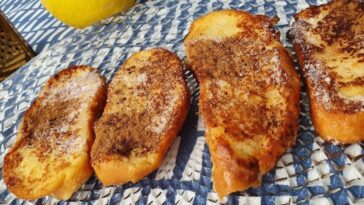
x,y
249,95
51,153
147,104
329,43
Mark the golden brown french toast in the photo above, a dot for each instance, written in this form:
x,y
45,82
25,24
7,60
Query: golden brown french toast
x,y
249,95
147,104
51,152
329,44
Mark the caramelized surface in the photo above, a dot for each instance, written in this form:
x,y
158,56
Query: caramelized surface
x,y
245,92
332,41
143,105
249,95
54,138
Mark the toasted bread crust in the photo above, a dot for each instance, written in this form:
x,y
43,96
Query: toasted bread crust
x,y
51,153
148,102
249,95
328,44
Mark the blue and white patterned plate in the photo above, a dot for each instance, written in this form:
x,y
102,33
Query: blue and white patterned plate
x,y
311,172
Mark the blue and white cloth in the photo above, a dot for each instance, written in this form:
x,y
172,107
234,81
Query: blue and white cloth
x,y
37,26
311,172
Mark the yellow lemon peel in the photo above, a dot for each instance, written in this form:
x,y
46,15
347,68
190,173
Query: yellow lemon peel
x,y
82,13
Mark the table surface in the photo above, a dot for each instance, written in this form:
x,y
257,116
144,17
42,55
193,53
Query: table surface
x,y
312,171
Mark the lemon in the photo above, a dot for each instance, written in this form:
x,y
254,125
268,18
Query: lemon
x,y
82,13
